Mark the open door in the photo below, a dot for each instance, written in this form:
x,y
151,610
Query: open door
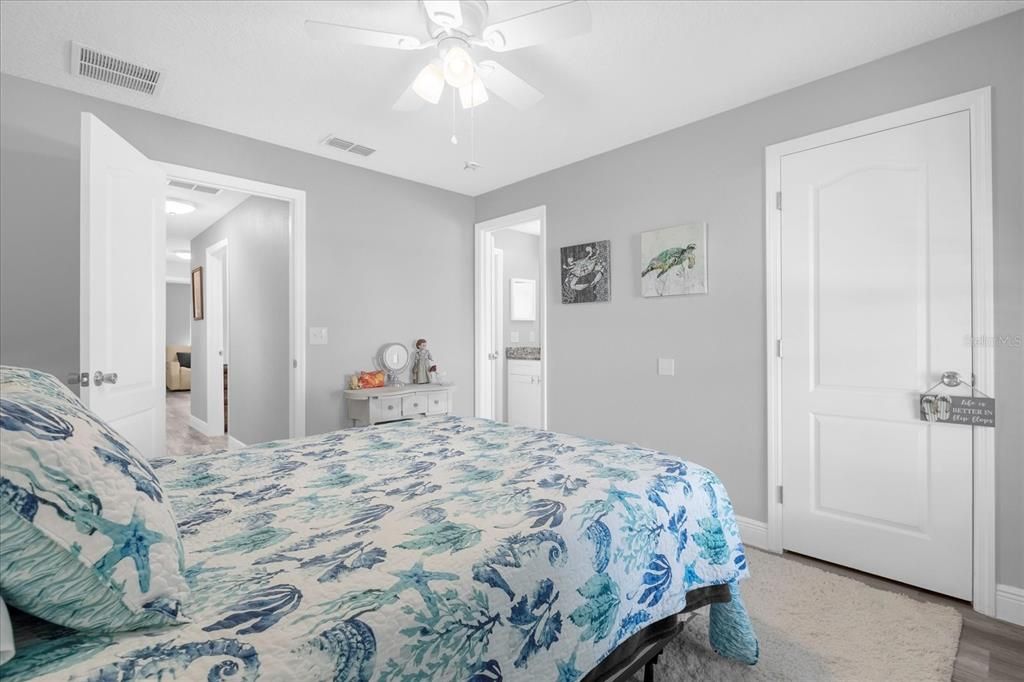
x,y
487,341
122,302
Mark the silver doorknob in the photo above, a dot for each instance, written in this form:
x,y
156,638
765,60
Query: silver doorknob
x,y
99,378
951,379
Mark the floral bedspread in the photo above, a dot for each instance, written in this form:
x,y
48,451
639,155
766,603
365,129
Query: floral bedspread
x,y
439,549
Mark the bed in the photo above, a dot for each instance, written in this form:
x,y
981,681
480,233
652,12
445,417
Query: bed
x,y
442,548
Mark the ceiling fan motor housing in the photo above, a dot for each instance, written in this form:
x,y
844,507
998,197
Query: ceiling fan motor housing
x,y
474,17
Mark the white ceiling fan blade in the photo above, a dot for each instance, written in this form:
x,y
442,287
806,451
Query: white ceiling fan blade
x,y
362,36
444,13
507,85
409,101
560,21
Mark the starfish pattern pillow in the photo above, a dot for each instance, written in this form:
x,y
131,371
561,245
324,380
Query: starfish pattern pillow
x,y
89,540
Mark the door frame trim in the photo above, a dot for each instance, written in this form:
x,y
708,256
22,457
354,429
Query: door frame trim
x,y
480,256
296,199
979,105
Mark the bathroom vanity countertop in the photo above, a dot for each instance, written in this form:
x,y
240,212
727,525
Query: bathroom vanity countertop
x,y
522,352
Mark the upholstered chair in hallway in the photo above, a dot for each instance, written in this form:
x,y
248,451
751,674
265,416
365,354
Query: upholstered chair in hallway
x,y
179,378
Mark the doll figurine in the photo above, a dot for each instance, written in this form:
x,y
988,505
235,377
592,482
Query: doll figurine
x,y
422,363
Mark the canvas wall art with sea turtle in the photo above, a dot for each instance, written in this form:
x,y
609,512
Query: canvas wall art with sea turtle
x,y
674,260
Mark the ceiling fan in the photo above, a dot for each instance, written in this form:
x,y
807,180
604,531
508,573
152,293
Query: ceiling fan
x,y
456,28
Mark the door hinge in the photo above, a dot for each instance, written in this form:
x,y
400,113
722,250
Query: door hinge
x,y
778,201
778,490
778,347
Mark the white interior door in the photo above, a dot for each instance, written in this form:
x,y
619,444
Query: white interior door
x,y
215,311
486,355
498,316
122,306
876,304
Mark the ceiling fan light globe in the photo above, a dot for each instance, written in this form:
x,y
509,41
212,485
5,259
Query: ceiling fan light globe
x,y
459,69
429,83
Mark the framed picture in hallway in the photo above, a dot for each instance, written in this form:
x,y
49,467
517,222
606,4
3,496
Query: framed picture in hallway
x,y
674,260
197,293
586,272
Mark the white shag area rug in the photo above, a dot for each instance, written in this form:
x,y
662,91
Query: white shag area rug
x,y
817,626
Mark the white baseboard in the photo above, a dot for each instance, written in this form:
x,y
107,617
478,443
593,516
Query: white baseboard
x,y
234,443
201,426
753,533
1010,604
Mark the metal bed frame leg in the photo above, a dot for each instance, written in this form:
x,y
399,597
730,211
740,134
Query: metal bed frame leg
x,y
649,669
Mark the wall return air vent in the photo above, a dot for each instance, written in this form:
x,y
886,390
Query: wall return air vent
x,y
87,62
346,146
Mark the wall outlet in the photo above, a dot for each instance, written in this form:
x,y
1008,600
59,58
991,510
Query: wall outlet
x,y
318,336
515,337
533,336
666,367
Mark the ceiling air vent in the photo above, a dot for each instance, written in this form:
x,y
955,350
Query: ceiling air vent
x,y
346,146
361,150
89,63
193,187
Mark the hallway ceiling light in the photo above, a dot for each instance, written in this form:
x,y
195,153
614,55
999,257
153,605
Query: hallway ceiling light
x,y
178,207
183,255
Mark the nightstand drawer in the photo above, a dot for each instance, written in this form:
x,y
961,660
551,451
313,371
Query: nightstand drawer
x,y
437,402
414,404
389,408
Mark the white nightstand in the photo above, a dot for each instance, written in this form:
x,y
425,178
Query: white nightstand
x,y
368,406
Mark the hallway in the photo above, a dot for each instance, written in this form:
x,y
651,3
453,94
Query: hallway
x,y
182,439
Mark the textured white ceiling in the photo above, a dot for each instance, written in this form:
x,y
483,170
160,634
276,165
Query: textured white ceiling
x,y
646,67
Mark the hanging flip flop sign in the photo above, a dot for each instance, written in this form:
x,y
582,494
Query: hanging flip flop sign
x,y
972,410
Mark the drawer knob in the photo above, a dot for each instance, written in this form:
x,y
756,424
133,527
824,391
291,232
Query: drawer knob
x,y
391,407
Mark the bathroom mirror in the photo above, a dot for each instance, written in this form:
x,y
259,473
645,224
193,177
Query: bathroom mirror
x,y
522,300
393,358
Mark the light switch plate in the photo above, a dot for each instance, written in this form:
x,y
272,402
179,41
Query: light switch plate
x,y
666,367
318,336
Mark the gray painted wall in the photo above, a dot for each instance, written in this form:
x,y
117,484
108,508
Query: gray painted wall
x,y
387,259
39,235
520,261
179,314
257,331
713,170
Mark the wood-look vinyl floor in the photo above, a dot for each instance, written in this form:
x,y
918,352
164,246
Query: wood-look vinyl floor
x,y
182,439
989,649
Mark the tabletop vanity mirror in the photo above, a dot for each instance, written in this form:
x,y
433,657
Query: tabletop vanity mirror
x,y
393,358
